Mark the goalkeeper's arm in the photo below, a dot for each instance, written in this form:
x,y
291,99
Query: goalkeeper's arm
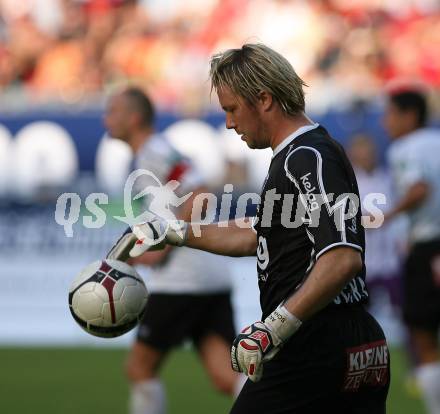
x,y
234,238
227,239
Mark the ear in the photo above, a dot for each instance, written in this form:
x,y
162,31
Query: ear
x,y
265,101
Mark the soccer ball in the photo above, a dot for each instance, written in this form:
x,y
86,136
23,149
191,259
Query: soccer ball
x,y
107,298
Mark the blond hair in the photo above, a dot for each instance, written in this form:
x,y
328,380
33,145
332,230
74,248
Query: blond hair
x,y
254,68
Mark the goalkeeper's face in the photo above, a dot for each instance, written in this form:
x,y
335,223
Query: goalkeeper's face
x,y
243,117
117,118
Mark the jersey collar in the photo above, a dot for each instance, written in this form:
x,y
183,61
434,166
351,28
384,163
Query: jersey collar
x,y
283,144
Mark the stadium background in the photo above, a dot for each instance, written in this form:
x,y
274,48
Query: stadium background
x,y
59,60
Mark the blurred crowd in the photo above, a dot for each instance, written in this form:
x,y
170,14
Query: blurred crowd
x,y
73,50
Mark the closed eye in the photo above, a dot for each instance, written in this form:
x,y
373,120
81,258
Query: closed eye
x,y
229,109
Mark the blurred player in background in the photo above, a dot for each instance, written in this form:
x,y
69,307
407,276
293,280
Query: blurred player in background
x,y
383,244
190,290
315,349
414,162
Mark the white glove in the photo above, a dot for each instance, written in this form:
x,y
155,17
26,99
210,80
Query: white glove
x,y
261,341
156,233
150,235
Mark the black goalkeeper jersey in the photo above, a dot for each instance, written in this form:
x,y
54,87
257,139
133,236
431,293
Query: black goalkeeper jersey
x,y
309,205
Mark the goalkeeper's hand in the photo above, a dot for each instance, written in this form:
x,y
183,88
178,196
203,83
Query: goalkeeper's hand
x,y
259,342
150,235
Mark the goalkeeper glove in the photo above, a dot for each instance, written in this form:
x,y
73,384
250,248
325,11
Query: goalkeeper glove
x,y
150,235
260,342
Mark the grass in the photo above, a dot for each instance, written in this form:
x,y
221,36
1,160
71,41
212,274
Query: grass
x,y
91,381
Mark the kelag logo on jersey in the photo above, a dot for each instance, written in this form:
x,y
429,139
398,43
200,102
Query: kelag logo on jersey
x,y
310,195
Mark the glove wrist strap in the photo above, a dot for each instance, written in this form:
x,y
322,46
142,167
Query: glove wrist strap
x,y
282,323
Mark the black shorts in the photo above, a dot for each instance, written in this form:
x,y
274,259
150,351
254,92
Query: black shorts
x,y
171,319
338,362
421,286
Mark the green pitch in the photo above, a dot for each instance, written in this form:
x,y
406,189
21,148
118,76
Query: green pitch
x,y
91,381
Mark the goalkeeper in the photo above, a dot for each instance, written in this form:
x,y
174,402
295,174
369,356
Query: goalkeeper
x,y
316,349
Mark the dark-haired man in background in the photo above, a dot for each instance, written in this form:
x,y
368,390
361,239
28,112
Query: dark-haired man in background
x,y
415,166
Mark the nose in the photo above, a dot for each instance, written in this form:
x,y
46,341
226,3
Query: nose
x,y
230,124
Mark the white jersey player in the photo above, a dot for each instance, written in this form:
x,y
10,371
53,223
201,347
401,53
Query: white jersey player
x,y
414,161
185,270
190,290
415,158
